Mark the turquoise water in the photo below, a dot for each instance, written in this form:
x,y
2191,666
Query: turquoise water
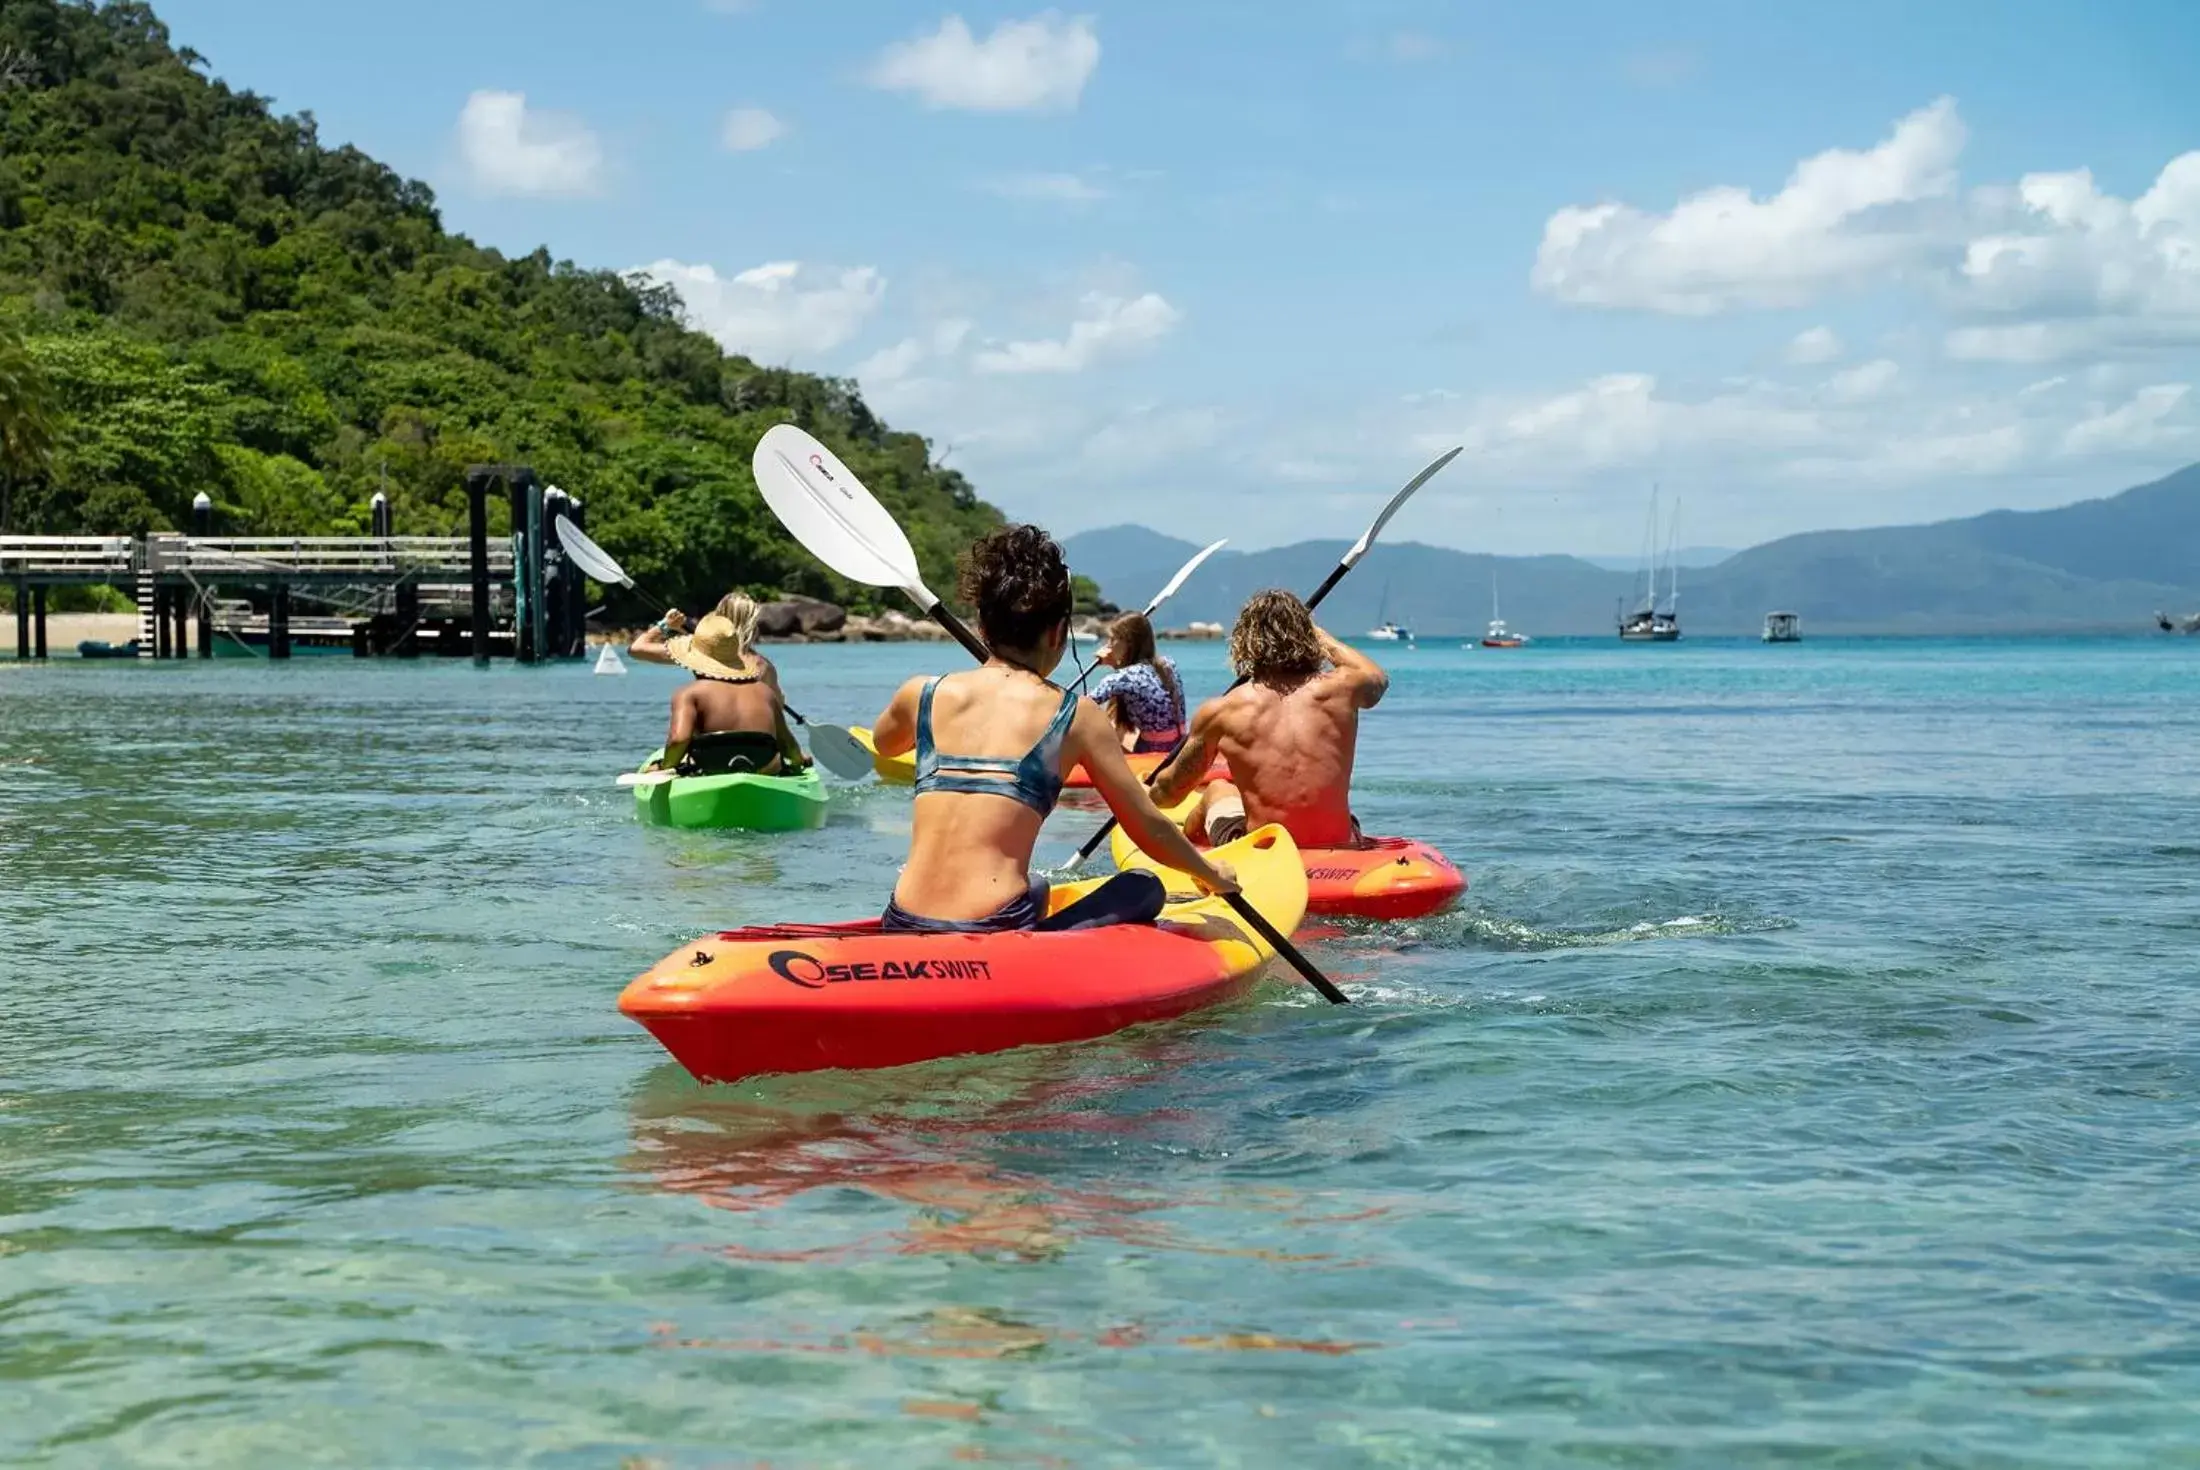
x,y
1810,1078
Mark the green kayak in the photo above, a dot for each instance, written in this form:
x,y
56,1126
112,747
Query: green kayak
x,y
751,803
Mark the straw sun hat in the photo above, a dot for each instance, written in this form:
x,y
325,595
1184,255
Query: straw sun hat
x,y
715,650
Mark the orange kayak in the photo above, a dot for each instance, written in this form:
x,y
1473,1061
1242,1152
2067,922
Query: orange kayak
x,y
804,997
1384,878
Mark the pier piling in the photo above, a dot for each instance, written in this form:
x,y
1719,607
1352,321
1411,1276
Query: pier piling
x,y
22,618
38,621
278,622
477,536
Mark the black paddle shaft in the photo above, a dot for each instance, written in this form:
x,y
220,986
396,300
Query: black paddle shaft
x,y
1092,844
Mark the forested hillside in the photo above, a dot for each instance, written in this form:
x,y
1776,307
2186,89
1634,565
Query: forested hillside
x,y
196,294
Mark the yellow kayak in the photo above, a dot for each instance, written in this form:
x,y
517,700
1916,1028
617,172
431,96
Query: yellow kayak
x,y
894,770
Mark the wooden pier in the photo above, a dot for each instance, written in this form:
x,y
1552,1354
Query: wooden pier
x,y
399,595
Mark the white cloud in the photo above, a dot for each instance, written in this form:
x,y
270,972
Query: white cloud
x,y
1843,218
509,148
2073,272
1149,435
894,364
1864,382
890,364
1035,65
746,129
2142,423
768,313
1106,326
1053,188
1818,344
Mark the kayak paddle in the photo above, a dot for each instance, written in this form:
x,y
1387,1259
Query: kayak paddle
x,y
1183,573
1345,564
836,750
646,778
826,508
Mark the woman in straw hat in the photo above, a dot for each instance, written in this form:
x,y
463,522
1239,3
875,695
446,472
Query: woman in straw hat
x,y
735,694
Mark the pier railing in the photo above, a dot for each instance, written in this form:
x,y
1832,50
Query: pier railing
x,y
63,559
323,558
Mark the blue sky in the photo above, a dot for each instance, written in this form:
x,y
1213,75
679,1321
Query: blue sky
x,y
1239,268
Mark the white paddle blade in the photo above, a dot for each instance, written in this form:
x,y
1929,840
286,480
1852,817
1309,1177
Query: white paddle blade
x,y
841,753
1367,538
587,555
825,507
1183,573
646,778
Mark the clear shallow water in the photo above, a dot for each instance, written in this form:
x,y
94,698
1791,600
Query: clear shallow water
x,y
1810,1078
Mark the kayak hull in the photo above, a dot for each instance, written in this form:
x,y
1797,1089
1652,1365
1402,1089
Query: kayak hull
x,y
808,997
901,770
739,802
1384,878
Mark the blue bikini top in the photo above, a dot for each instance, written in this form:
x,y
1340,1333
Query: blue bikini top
x,y
1035,780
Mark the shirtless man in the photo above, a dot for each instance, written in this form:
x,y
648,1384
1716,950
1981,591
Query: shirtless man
x,y
1289,734
736,692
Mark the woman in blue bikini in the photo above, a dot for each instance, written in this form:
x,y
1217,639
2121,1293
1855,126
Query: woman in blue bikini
x,y
1143,696
991,746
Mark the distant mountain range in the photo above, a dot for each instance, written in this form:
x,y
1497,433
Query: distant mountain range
x,y
2102,564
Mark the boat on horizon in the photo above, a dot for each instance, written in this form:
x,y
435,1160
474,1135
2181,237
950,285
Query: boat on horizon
x,y
1499,636
1647,624
1386,631
1783,627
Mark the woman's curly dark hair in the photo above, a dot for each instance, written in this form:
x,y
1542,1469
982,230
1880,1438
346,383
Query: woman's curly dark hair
x,y
1018,581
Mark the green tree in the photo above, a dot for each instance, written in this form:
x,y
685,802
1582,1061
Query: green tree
x,y
26,422
221,303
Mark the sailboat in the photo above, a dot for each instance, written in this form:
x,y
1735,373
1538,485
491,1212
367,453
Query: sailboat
x,y
1498,636
1646,624
1386,631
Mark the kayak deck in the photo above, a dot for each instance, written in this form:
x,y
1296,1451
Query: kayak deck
x,y
804,997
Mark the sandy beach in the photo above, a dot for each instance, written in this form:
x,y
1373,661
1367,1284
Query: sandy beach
x,y
65,630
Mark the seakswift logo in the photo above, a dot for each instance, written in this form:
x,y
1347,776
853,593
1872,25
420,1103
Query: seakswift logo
x,y
818,461
812,973
1331,875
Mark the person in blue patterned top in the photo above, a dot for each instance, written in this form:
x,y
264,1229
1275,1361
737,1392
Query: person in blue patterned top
x,y
1143,696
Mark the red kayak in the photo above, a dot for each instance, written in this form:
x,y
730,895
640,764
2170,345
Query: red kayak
x,y
803,997
1384,878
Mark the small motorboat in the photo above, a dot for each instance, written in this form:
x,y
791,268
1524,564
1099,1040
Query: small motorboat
x,y
101,648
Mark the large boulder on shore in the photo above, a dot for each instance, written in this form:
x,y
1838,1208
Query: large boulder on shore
x,y
897,627
800,617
